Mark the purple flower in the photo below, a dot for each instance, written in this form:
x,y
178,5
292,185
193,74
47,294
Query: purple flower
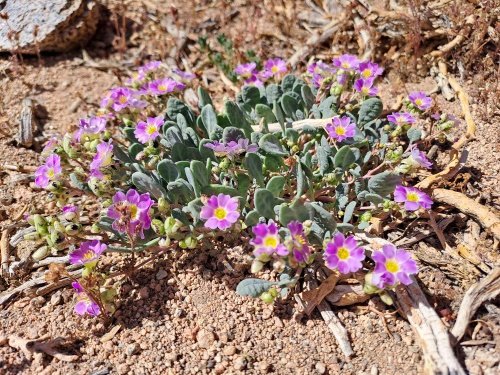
x,y
267,241
232,148
146,131
319,67
365,86
392,265
401,118
152,65
84,303
121,98
420,158
185,76
219,148
130,212
341,128
321,81
245,70
104,155
276,66
49,171
368,69
54,142
106,101
94,125
342,79
412,198
220,212
88,253
346,62
136,77
67,209
299,243
254,79
344,254
70,213
162,86
420,100
179,86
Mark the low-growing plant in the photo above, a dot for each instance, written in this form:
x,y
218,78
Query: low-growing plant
x,y
176,178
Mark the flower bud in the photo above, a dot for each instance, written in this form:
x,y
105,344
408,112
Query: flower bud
x,y
365,218
256,266
386,298
153,161
295,149
73,229
58,226
41,253
191,242
263,257
57,237
141,156
164,242
54,186
127,121
70,147
368,288
163,206
158,226
107,135
267,298
273,292
279,265
34,236
95,229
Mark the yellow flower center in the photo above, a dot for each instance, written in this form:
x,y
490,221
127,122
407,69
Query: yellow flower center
x,y
345,65
365,89
367,73
150,129
392,266
270,242
220,213
274,69
300,239
133,211
135,75
412,197
400,119
88,255
418,102
340,130
343,253
162,88
50,173
122,99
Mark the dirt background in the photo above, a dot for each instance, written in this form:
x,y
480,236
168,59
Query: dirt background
x,y
183,316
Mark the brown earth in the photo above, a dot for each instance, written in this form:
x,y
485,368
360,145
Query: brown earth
x,y
182,316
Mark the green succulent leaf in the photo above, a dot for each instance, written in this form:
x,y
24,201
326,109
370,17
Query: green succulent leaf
x,y
168,170
263,111
349,210
209,118
254,166
344,158
370,110
384,183
146,184
203,98
271,144
254,287
275,185
215,189
414,134
264,203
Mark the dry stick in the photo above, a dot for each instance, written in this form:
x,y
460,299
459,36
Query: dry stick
x,y
456,163
464,102
330,318
469,21
430,330
314,41
487,289
482,214
4,252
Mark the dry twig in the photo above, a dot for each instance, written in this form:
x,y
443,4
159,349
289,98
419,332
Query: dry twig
x,y
31,347
455,164
487,289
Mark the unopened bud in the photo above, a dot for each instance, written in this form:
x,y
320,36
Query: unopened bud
x,y
256,266
95,229
386,298
267,298
279,265
163,206
32,236
158,226
41,253
57,237
368,288
54,186
73,229
164,242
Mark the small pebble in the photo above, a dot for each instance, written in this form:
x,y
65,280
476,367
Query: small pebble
x,y
397,337
123,369
144,293
178,312
320,368
56,299
239,363
161,274
3,340
266,314
205,338
229,350
132,349
374,370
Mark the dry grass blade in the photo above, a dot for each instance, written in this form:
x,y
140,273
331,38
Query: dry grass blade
x,y
487,289
312,298
4,252
30,347
451,170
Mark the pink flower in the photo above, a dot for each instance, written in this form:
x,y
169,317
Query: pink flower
x,y
54,142
392,265
276,66
368,69
185,76
152,65
365,86
267,241
49,171
298,241
233,148
131,212
245,70
255,79
220,212
88,253
346,62
162,86
420,100
136,77
341,128
321,68
419,157
400,118
146,131
94,125
320,80
104,155
120,98
85,305
344,254
412,198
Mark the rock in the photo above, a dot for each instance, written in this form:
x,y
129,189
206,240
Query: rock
x,y
56,299
3,340
277,322
123,369
396,337
108,346
144,292
33,333
229,350
374,370
240,363
178,312
132,349
161,274
320,368
266,314
37,302
47,25
205,339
